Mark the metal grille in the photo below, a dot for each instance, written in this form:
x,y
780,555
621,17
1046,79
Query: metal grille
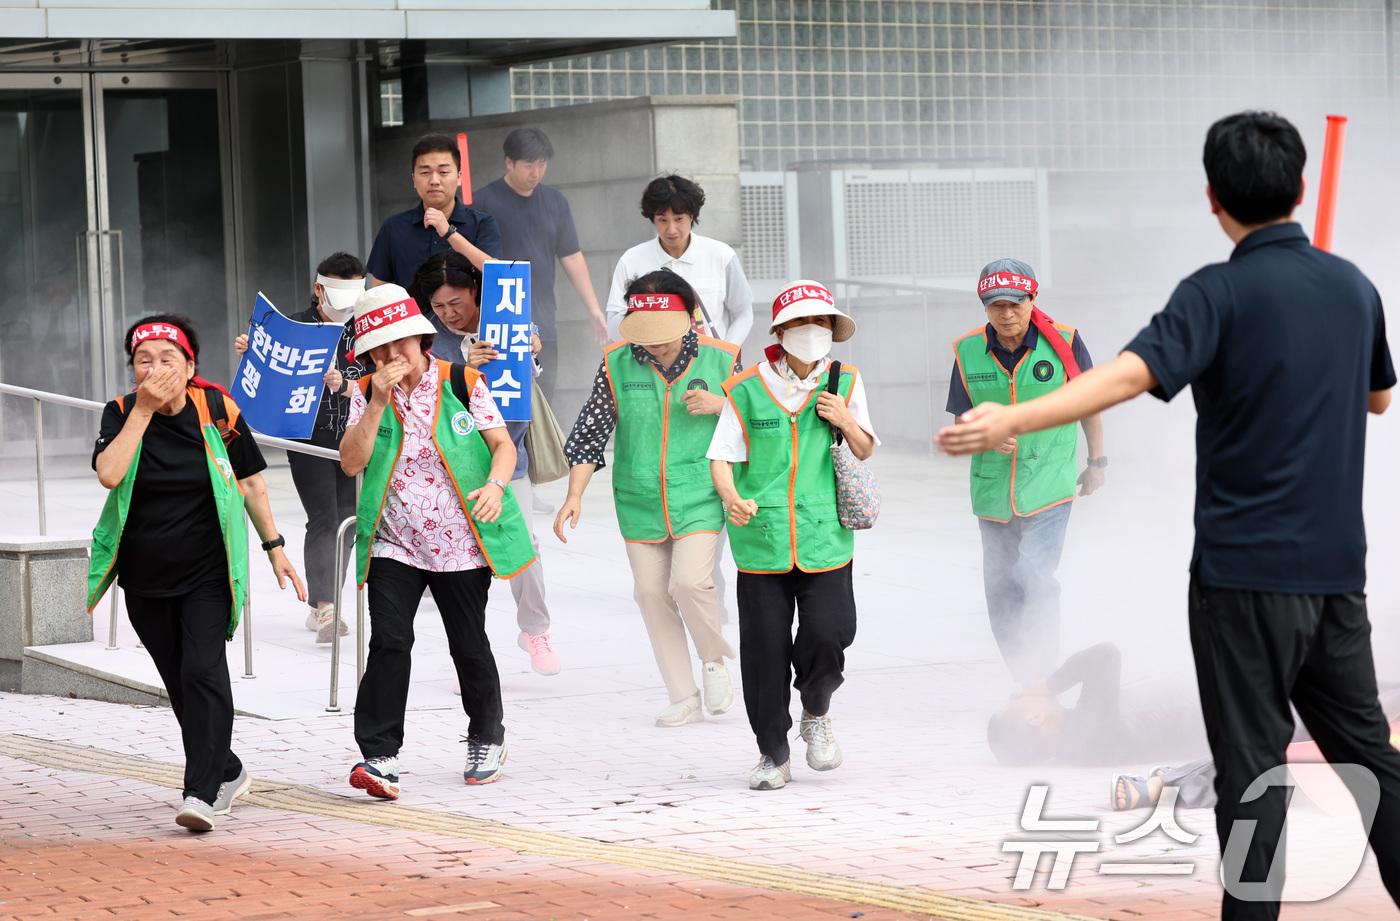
x,y
1060,84
940,226
764,219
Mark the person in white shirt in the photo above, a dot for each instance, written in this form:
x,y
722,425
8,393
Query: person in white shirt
x,y
672,203
771,463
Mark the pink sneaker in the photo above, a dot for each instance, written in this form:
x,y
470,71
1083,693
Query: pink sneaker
x,y
542,659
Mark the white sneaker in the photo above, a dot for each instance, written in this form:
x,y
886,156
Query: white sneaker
x,y
325,623
678,714
379,777
195,814
823,754
484,761
719,688
313,618
770,776
229,791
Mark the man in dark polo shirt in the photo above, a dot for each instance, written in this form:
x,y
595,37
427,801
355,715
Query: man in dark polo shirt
x,y
1284,349
438,222
537,226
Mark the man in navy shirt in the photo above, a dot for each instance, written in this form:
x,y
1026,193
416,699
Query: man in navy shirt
x,y
537,226
1285,352
439,222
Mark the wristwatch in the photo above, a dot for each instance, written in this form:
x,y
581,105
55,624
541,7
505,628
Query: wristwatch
x,y
1098,461
451,229
270,545
498,483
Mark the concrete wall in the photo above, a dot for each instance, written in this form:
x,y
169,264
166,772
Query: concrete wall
x,y
604,154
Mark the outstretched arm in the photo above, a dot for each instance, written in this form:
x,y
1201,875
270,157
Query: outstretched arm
x,y
984,427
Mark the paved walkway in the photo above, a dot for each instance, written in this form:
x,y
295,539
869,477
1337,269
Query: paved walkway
x,y
919,801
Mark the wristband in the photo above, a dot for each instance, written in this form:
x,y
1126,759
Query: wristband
x,y
450,231
498,483
1098,461
270,545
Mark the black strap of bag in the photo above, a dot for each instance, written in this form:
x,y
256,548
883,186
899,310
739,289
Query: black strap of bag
x,y
458,378
833,384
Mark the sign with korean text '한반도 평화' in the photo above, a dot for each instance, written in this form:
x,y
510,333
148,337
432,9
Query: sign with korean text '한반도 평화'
x,y
505,323
279,382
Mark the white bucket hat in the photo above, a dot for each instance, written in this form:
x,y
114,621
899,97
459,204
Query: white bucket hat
x,y
811,299
386,314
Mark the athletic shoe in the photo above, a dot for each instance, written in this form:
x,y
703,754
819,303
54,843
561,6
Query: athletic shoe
x,y
231,790
326,623
770,776
379,777
195,814
719,688
543,659
313,619
484,761
687,711
823,754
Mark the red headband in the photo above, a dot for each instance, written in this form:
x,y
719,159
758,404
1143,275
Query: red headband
x,y
1007,280
655,302
789,296
389,313
161,331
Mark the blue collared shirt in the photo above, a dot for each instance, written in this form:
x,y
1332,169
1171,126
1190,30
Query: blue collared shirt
x,y
403,243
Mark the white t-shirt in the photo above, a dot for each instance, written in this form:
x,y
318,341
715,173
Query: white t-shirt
x,y
713,270
729,444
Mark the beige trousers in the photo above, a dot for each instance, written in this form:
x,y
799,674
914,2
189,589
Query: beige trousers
x,y
675,593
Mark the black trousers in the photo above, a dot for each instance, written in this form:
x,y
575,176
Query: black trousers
x,y
1256,651
394,590
769,654
328,496
185,636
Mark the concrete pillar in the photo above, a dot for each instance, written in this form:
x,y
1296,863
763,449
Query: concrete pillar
x,y
43,594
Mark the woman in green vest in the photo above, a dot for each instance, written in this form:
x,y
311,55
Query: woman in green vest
x,y
181,467
771,463
435,513
660,388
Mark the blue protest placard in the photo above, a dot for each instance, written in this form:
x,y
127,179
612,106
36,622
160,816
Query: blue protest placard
x,y
505,322
278,384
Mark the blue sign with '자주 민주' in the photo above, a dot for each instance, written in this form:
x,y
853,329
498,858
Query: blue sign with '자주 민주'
x,y
505,323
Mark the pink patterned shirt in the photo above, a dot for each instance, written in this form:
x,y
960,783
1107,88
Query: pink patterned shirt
x,y
424,524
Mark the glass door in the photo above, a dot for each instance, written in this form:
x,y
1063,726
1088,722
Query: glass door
x,y
164,228
47,324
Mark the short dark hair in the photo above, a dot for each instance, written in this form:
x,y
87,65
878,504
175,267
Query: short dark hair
x,y
673,193
341,265
445,267
527,144
664,281
1013,741
183,323
436,143
1254,164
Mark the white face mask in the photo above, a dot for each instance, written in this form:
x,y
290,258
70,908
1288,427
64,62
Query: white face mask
x,y
808,342
337,316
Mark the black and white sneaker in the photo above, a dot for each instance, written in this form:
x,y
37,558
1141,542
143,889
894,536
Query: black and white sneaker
x,y
484,761
379,777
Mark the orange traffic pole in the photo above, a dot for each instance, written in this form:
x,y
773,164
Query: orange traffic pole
x,y
467,168
1331,178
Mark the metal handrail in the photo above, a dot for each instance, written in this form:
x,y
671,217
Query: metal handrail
x,y
40,397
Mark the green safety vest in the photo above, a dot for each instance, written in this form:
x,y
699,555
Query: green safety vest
x,y
1043,468
505,542
790,475
216,426
661,477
